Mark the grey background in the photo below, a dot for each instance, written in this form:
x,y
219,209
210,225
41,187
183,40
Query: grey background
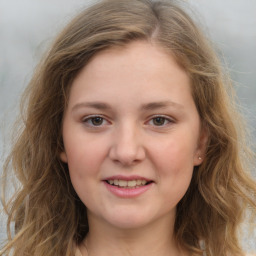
x,y
27,27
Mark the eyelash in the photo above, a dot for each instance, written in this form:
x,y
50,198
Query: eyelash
x,y
165,118
89,121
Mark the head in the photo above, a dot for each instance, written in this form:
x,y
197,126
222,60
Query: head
x,y
117,24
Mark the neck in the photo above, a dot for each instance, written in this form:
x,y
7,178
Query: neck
x,y
154,239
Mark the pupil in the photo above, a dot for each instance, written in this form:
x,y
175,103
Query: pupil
x,y
97,120
159,121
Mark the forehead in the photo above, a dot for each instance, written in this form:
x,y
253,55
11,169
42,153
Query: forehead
x,y
139,68
133,58
136,51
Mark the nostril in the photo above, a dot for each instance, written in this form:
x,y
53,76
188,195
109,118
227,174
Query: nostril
x,y
126,156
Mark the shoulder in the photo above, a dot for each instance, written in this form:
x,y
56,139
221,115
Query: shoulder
x,y
78,252
81,252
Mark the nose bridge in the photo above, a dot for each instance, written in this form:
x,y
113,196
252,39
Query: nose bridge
x,y
127,147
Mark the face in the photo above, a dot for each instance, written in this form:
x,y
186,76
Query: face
x,y
132,135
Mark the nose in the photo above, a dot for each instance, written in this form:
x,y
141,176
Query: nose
x,y
127,146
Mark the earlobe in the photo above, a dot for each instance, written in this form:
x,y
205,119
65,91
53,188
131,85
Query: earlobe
x,y
201,148
198,159
63,157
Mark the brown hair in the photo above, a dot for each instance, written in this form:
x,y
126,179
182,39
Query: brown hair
x,y
47,213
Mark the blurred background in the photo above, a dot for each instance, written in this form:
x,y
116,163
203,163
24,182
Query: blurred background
x,y
27,27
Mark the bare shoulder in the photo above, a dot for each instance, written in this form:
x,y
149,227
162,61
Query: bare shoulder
x,y
78,252
81,251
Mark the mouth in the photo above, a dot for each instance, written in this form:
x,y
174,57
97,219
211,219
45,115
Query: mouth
x,y
128,184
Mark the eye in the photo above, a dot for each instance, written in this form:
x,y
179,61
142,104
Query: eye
x,y
160,121
95,121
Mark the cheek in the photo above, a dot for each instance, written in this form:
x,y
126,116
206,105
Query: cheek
x,y
84,167
174,156
84,154
174,164
83,170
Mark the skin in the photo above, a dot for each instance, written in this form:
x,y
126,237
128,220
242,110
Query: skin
x,y
134,85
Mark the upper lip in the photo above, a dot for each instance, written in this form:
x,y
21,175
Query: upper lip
x,y
122,177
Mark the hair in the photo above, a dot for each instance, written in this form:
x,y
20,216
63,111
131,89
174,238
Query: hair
x,y
49,217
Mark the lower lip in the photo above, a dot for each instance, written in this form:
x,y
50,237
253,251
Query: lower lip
x,y
127,192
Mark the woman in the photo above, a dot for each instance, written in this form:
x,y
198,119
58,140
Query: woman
x,y
131,144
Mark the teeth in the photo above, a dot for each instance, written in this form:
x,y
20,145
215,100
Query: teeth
x,y
132,183
128,184
139,182
143,182
122,183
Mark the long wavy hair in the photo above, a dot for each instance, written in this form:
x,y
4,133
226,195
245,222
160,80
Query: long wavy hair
x,y
49,217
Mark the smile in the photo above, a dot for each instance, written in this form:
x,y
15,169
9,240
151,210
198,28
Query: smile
x,y
128,183
128,187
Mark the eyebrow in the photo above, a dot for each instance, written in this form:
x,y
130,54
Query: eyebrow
x,y
145,107
161,104
96,105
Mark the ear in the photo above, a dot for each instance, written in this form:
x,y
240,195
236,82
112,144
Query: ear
x,y
201,147
63,157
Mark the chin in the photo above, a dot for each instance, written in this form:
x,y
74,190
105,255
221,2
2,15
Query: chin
x,y
129,223
128,219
